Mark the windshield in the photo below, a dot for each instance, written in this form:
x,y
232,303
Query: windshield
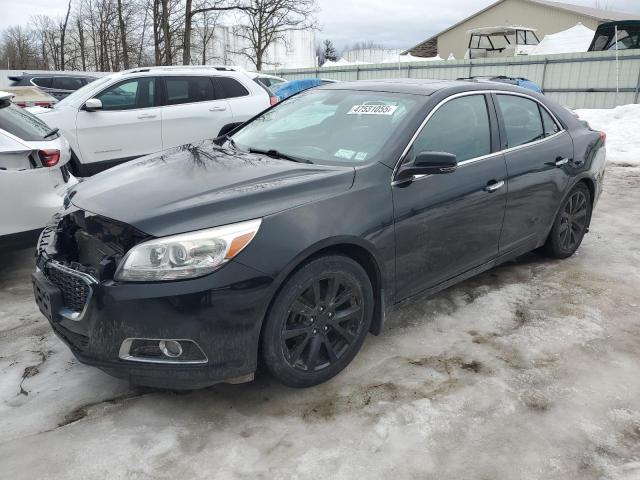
x,y
24,125
329,126
81,92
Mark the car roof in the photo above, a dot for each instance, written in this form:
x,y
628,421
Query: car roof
x,y
417,86
45,74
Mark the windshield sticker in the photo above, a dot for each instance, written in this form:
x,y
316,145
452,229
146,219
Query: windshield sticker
x,y
372,110
361,156
343,153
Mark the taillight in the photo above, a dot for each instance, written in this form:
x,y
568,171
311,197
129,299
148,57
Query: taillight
x,y
273,100
49,158
603,137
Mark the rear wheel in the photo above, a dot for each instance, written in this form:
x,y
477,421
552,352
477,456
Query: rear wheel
x,y
318,321
570,224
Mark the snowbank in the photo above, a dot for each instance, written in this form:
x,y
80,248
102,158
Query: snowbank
x,y
622,125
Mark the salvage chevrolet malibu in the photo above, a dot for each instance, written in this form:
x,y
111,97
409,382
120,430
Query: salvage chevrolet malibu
x,y
286,242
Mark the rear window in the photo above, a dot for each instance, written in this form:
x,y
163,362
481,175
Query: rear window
x,y
42,81
521,120
188,90
21,123
67,83
229,88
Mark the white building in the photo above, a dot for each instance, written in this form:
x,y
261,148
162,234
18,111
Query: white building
x,y
295,50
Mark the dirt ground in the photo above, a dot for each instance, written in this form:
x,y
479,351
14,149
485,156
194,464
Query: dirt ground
x,y
529,371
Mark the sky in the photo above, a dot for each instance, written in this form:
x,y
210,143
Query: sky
x,y
395,24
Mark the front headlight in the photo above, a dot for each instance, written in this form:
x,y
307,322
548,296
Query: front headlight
x,y
187,255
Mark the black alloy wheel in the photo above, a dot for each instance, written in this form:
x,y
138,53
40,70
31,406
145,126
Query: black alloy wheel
x,y
571,223
318,322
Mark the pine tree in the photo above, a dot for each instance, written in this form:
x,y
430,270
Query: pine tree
x,y
329,52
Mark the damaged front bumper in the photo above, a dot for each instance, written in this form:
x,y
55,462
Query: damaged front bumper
x,y
179,335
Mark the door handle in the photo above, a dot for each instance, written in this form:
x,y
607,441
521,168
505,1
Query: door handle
x,y
492,187
142,117
561,161
217,109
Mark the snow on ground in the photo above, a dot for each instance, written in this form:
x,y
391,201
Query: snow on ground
x,y
622,125
529,371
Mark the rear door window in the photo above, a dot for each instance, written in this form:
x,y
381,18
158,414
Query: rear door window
x,y
67,83
44,82
550,125
461,126
522,120
21,123
130,94
229,88
188,90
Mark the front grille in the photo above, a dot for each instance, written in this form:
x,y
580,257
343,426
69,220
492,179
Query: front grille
x,y
74,286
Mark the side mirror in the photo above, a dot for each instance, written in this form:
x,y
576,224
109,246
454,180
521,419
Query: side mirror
x,y
92,105
428,163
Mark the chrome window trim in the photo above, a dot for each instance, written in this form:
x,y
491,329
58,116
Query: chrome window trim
x,y
483,157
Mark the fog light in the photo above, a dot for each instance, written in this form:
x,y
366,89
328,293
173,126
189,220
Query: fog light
x,y
170,348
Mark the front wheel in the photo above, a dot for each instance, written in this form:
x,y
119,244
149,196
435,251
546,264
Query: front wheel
x,y
318,321
571,223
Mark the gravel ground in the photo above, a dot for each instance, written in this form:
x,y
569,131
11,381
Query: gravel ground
x,y
529,371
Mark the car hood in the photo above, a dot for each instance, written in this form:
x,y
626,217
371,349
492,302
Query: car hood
x,y
201,185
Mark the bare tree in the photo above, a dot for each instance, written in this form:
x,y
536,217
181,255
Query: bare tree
x,y
123,36
204,33
204,7
268,21
18,49
63,35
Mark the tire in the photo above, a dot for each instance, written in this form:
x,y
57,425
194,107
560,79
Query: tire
x,y
326,308
571,223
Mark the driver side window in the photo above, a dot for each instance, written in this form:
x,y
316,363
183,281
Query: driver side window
x,y
460,126
129,95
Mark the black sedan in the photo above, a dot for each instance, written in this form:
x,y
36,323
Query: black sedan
x,y
286,242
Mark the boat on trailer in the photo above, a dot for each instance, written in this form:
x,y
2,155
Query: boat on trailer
x,y
501,41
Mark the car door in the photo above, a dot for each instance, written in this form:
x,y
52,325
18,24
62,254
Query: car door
x,y
243,104
538,152
129,124
191,111
63,86
448,224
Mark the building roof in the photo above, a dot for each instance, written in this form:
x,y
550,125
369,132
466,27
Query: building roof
x,y
595,13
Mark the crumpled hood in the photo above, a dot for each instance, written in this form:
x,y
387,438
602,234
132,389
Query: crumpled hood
x,y
199,186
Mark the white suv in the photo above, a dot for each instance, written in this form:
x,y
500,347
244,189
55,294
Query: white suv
x,y
141,111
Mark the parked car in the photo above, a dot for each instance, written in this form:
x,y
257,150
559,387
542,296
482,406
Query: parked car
x,y
33,174
605,36
30,97
287,89
58,85
288,241
133,113
269,81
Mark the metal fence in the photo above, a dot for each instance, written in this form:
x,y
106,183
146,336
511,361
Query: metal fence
x,y
577,80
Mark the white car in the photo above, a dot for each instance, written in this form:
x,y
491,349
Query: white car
x,y
33,174
268,81
137,112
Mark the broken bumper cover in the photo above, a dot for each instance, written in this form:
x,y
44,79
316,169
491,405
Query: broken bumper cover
x,y
221,314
